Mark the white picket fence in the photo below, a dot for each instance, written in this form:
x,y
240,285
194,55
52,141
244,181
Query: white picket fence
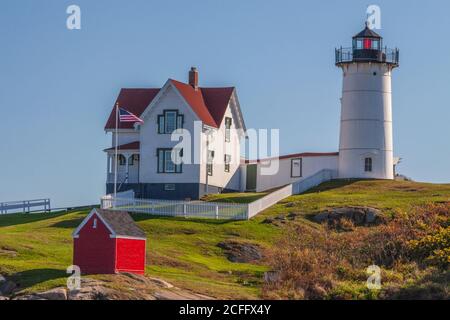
x,y
108,200
213,210
171,208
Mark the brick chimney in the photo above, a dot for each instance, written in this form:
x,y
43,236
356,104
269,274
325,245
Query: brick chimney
x,y
193,78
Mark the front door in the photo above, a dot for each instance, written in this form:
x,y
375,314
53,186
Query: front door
x,y
251,177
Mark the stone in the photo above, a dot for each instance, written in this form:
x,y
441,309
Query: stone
x,y
2,279
241,252
292,215
54,294
268,221
7,287
29,297
161,283
358,215
321,217
91,293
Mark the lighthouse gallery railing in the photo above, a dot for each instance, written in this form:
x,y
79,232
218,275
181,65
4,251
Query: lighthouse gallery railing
x,y
387,55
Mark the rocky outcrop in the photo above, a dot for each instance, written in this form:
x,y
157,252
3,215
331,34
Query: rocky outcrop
x,y
240,251
359,216
118,287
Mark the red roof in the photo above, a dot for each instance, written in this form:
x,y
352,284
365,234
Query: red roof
x,y
128,146
297,155
209,104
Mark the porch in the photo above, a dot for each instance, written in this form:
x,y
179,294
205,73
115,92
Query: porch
x,y
128,159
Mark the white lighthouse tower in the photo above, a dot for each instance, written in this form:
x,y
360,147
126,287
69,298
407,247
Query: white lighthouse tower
x,y
365,146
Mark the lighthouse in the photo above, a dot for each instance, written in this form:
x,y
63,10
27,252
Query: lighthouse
x,y
365,141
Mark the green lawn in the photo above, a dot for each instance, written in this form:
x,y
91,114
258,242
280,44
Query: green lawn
x,y
246,197
36,249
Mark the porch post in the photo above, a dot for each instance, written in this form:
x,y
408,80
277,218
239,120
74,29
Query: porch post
x,y
108,166
127,162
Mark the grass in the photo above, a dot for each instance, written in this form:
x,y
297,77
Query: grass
x,y
36,249
243,198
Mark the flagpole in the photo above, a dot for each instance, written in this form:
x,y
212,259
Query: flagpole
x,y
116,147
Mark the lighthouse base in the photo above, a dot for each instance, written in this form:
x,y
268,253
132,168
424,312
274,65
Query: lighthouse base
x,y
366,164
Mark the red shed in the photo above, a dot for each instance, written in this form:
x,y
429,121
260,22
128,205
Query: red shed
x,y
109,242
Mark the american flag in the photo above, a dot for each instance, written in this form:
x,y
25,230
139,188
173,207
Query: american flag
x,y
126,116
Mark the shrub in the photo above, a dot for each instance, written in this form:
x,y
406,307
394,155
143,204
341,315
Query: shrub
x,y
317,263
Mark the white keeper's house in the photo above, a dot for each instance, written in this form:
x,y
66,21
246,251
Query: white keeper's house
x,y
146,164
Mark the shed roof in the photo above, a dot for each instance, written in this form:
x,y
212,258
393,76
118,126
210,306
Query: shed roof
x,y
119,223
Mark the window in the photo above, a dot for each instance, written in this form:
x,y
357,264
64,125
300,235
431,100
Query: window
x,y
168,165
169,121
169,187
359,44
228,122
368,164
122,160
94,225
227,160
133,158
209,169
209,164
375,44
296,168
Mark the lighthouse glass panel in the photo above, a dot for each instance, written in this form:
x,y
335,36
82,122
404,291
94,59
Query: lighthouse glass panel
x,y
359,44
375,45
367,43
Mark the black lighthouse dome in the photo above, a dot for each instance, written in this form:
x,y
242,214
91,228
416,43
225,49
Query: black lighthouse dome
x,y
367,46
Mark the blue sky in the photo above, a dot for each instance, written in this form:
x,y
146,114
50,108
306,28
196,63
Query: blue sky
x,y
58,86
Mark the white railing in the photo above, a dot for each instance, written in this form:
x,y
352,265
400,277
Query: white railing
x,y
170,208
213,210
25,206
265,202
313,181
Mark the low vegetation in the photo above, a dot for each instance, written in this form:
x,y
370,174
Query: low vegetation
x,y
313,260
317,263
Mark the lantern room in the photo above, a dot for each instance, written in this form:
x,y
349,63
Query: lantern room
x,y
367,46
367,40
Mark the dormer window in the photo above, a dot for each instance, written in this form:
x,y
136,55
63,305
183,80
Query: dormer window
x,y
169,121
